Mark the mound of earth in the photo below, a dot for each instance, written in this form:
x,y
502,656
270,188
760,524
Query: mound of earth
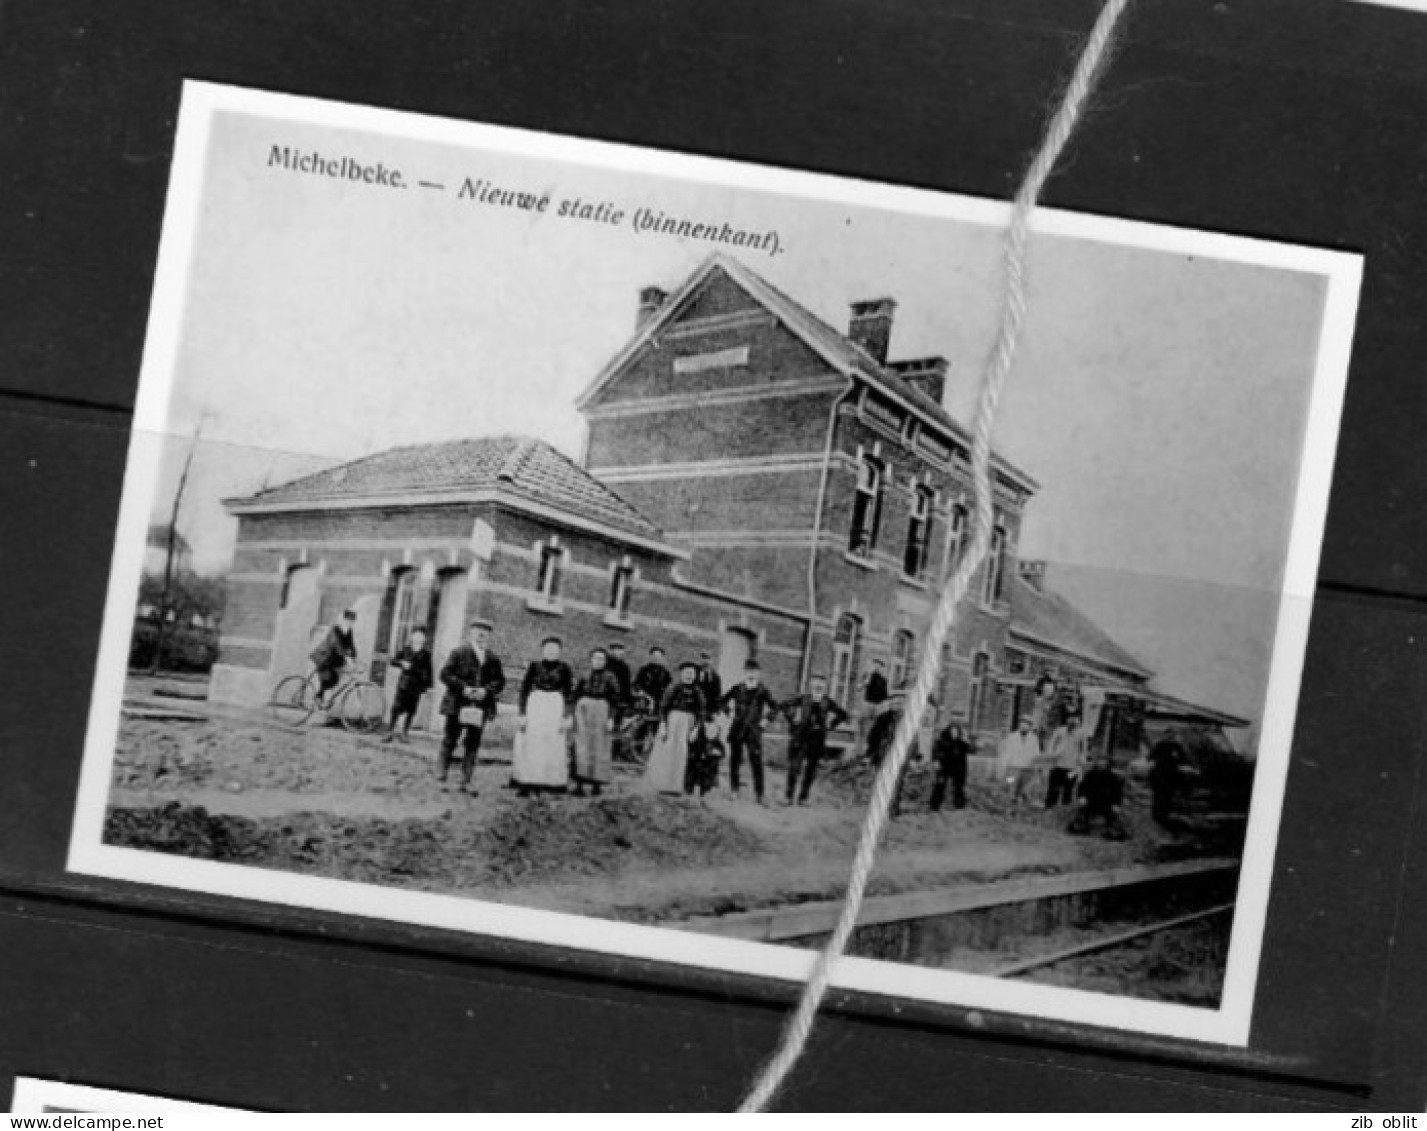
x,y
531,842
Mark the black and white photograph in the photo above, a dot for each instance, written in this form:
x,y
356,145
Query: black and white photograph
x,y
538,537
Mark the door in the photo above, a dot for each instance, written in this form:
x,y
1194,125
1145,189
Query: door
x,y
736,649
296,618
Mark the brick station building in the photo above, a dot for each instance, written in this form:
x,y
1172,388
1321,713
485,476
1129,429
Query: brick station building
x,y
755,483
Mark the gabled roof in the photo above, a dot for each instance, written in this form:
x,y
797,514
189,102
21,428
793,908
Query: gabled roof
x,y
513,467
836,348
1046,617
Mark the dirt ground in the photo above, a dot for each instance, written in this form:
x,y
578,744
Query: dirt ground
x,y
229,785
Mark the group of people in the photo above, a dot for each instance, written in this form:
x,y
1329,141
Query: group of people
x,y
566,726
700,723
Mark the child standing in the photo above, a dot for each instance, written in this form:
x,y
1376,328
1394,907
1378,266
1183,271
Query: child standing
x,y
414,662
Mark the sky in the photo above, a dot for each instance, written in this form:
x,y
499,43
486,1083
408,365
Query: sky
x,y
1159,399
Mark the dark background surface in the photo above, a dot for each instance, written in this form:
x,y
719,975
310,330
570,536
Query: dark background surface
x,y
1299,120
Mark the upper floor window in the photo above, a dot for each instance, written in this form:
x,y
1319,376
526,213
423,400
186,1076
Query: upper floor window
x,y
919,526
552,568
620,590
955,536
866,508
994,579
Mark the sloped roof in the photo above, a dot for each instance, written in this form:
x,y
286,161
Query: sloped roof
x,y
516,466
1051,619
836,348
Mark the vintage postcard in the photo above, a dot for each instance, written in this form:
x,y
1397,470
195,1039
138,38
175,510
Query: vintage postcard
x,y
531,536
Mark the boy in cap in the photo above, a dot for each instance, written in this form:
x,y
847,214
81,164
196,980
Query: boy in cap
x,y
414,662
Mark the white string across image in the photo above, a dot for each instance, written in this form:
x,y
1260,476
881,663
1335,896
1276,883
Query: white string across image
x,y
794,1038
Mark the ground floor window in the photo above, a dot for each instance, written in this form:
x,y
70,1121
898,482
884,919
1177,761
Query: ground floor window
x,y
846,655
980,688
903,649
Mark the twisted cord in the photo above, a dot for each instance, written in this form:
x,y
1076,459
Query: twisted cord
x,y
799,1027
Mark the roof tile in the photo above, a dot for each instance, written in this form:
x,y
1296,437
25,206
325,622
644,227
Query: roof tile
x,y
519,465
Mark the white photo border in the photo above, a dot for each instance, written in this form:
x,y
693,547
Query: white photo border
x,y
33,1094
1229,1024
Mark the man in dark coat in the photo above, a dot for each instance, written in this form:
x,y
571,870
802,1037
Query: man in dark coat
x,y
1166,757
751,705
1100,793
618,667
414,663
474,679
881,738
810,717
336,651
950,752
709,683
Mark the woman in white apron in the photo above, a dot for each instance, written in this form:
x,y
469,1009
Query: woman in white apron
x,y
541,760
598,701
682,713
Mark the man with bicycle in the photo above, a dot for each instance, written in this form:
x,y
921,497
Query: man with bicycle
x,y
337,650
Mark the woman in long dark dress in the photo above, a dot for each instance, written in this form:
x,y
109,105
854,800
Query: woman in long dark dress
x,y
541,761
597,706
682,715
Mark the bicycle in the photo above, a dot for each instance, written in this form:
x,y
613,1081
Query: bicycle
x,y
359,703
633,739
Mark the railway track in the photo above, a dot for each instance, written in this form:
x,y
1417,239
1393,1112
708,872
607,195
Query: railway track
x,y
1108,942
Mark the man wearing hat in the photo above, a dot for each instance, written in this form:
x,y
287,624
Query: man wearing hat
x,y
473,679
708,682
810,717
337,650
751,704
618,667
879,743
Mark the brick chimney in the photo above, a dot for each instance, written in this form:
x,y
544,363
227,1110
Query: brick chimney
x,y
871,326
927,374
651,299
